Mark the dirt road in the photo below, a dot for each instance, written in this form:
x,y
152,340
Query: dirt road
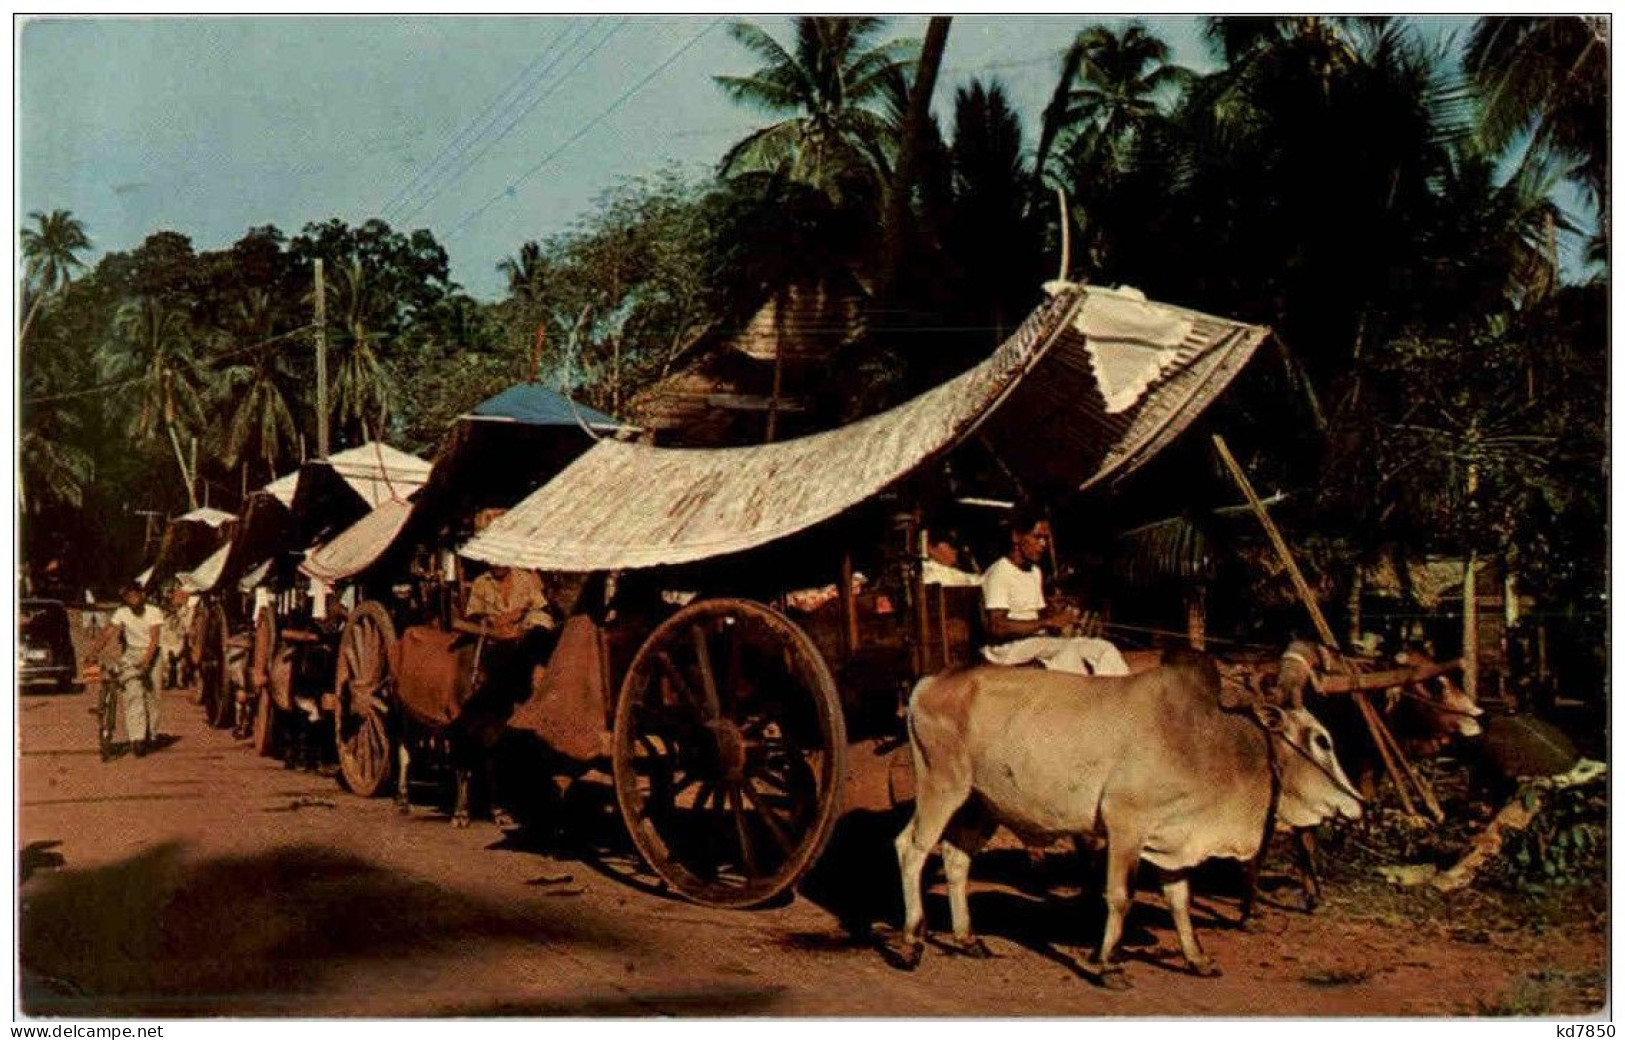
x,y
202,880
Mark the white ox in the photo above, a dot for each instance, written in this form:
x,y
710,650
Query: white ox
x,y
1149,762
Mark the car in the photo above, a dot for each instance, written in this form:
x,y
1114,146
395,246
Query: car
x,y
44,643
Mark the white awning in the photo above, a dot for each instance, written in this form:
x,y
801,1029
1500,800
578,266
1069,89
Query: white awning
x,y
1103,378
203,577
206,515
358,546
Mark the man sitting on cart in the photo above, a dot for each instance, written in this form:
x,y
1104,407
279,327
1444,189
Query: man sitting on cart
x,y
1021,628
509,608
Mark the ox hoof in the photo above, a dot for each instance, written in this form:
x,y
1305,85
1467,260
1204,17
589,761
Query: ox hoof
x,y
501,818
1110,976
403,808
460,821
1204,967
904,957
972,947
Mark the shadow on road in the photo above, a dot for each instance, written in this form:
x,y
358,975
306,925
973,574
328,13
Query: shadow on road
x,y
162,935
711,1002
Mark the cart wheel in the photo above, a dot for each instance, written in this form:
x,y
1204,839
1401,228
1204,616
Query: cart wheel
x,y
214,668
362,687
197,648
729,752
267,654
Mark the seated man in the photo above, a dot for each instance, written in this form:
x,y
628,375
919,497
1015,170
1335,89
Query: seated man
x,y
1020,627
941,563
509,607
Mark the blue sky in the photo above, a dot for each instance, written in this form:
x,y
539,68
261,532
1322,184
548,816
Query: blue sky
x,y
210,126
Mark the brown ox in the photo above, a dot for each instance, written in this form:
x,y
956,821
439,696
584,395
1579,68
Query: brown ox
x,y
1424,716
1150,762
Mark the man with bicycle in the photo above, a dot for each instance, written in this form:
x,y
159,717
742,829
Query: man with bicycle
x,y
139,625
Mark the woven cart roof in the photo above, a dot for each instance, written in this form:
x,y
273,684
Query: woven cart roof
x,y
1093,384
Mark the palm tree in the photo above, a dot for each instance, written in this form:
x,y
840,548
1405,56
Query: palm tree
x,y
991,237
253,392
53,469
1546,77
1117,82
154,348
51,250
826,87
361,391
524,272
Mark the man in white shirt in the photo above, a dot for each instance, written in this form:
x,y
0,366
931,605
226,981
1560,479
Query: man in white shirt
x,y
139,625
1021,628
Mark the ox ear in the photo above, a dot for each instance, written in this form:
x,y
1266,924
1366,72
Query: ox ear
x,y
1270,716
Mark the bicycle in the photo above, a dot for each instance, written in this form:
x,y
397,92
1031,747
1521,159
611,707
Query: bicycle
x,y
107,682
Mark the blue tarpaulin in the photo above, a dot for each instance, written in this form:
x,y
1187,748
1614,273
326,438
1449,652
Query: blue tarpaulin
x,y
536,405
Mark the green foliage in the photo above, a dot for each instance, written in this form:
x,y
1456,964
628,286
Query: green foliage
x,y
1566,844
1327,179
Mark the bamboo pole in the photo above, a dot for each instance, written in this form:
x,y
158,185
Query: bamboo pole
x,y
1386,746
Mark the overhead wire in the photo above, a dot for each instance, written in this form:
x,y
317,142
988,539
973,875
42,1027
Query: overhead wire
x,y
461,140
515,121
133,380
513,186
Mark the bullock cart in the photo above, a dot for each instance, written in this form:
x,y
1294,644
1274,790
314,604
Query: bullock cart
x,y
293,628
409,588
729,705
192,545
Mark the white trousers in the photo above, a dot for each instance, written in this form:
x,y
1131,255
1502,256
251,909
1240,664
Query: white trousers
x,y
1080,655
138,698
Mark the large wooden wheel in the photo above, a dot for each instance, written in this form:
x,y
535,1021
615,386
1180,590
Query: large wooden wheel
x,y
362,687
214,667
268,651
196,649
729,752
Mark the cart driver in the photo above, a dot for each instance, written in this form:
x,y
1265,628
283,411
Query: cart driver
x,y
1021,628
508,603
509,608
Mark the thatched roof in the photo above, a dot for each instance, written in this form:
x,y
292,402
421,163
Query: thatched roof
x,y
1094,383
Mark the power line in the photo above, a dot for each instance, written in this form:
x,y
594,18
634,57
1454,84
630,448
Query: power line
x,y
133,380
599,118
501,99
466,166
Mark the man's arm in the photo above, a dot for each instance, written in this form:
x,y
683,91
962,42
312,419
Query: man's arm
x,y
1002,628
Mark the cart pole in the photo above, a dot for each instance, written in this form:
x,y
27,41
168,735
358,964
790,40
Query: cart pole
x,y
1393,759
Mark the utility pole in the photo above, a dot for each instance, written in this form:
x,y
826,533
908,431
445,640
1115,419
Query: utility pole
x,y
321,363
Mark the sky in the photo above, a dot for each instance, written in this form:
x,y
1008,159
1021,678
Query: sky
x,y
488,131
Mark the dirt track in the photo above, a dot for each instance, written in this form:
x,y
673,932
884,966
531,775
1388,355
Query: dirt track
x,y
202,880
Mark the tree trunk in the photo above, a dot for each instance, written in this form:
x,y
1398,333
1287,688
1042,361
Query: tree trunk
x,y
180,461
28,319
780,303
919,110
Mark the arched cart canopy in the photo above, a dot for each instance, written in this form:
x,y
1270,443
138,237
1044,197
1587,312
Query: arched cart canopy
x,y
358,546
1093,384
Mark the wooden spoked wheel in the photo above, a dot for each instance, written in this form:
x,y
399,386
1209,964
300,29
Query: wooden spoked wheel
x,y
197,648
262,668
362,687
214,668
729,752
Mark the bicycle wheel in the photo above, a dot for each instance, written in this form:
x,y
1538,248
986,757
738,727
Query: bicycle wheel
x,y
106,715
